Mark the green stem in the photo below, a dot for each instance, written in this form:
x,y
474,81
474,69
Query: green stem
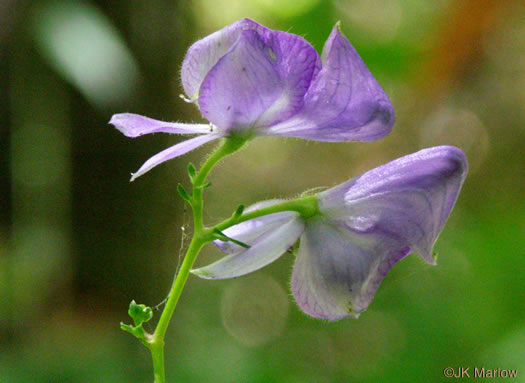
x,y
157,354
178,284
306,206
228,146
201,236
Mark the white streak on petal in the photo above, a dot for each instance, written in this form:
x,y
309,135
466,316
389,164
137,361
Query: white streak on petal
x,y
264,251
248,232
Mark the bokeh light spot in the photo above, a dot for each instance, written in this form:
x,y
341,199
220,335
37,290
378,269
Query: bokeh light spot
x,y
219,14
254,309
378,19
82,45
459,127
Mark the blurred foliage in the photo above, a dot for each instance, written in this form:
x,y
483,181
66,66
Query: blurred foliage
x,y
78,242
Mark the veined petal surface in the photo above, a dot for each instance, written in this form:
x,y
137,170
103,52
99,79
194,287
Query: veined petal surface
x,y
261,80
204,54
248,231
264,250
337,272
344,101
298,64
410,198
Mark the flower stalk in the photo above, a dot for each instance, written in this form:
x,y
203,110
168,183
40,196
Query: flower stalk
x,y
305,206
201,236
248,81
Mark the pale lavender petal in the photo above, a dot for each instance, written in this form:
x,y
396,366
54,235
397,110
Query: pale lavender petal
x,y
337,272
248,231
260,81
204,54
134,125
344,102
174,151
410,198
264,250
297,67
241,86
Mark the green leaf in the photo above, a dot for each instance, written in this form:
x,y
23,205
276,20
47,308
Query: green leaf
x,y
183,193
205,186
192,172
223,237
127,328
238,212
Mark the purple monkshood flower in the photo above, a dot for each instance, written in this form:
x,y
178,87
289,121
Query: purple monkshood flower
x,y
364,227
248,80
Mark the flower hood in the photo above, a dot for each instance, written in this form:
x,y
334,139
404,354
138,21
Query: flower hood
x,y
248,80
365,226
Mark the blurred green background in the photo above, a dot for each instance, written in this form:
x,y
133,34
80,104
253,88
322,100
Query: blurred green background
x,y
78,241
